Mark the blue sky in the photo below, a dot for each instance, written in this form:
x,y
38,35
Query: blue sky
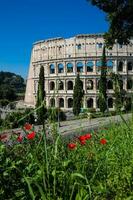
x,y
22,22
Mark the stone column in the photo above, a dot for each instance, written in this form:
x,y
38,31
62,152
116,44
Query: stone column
x,y
115,66
94,67
95,102
95,84
65,102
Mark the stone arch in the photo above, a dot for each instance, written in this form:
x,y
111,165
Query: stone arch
x,y
69,85
52,68
69,67
89,85
60,68
90,103
52,102
110,84
70,103
60,85
61,103
129,66
110,102
89,66
120,66
79,66
129,84
52,85
110,63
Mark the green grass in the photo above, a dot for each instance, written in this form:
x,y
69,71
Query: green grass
x,y
48,169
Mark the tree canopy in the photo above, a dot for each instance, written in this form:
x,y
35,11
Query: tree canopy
x,y
10,85
120,17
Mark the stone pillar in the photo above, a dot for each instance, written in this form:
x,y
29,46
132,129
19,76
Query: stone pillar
x,y
84,85
125,66
84,102
125,83
115,66
94,67
65,102
95,84
74,68
56,69
95,102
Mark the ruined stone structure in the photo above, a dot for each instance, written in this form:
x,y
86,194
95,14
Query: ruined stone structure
x,y
64,58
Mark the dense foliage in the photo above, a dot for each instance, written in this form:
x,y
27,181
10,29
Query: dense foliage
x,y
77,95
97,165
41,112
120,17
10,85
119,93
103,84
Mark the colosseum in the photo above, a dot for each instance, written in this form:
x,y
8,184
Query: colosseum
x,y
64,58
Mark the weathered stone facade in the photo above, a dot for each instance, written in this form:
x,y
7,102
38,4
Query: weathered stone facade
x,y
64,58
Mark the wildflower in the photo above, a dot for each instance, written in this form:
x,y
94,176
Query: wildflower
x,y
20,138
82,138
31,135
82,142
71,145
103,141
88,136
27,126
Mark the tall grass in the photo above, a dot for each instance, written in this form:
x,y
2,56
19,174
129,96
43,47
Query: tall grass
x,y
47,169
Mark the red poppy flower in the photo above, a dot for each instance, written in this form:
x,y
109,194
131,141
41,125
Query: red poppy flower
x,y
20,138
82,138
71,145
28,126
82,142
31,135
103,141
88,136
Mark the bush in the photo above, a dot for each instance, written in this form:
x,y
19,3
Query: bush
x,y
4,102
54,113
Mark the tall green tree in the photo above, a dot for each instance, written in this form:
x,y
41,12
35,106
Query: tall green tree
x,y
119,14
77,95
103,84
41,112
119,93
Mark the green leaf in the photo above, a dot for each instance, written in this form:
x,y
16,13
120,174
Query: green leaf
x,y
30,188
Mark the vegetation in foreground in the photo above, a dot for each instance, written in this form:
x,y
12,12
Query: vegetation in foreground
x,y
97,165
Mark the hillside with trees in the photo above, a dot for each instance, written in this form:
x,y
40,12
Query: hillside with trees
x,y
12,86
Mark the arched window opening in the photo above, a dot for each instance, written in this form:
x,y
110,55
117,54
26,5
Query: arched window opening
x,y
99,45
60,85
70,85
109,63
89,66
89,85
110,103
129,66
79,67
52,69
110,85
52,102
70,103
98,84
61,103
52,85
69,67
129,84
60,68
120,66
90,103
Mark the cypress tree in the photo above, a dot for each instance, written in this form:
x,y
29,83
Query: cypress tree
x,y
77,96
41,112
103,84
